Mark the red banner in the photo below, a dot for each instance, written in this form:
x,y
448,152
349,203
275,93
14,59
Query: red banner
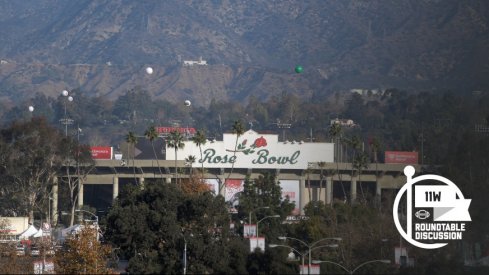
x,y
401,157
101,152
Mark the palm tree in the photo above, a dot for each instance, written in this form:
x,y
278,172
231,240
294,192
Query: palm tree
x,y
238,130
335,132
200,139
175,140
359,163
375,147
151,135
190,160
131,140
308,180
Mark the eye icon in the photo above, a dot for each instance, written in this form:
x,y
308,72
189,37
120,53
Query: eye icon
x,y
422,214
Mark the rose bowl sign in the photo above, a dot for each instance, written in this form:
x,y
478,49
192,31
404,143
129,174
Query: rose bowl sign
x,y
254,150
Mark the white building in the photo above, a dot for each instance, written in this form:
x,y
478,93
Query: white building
x,y
12,227
195,62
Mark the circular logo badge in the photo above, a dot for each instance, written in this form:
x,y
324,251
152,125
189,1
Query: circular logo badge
x,y
440,210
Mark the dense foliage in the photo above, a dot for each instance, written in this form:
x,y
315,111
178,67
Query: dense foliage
x,y
33,153
152,225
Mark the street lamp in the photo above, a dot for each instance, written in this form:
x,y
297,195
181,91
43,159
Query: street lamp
x,y
184,255
311,246
267,217
356,268
185,252
256,209
66,121
272,245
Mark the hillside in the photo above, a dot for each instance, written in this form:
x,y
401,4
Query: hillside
x,y
251,47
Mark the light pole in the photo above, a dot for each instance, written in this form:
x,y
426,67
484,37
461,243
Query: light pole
x,y
356,268
305,252
185,251
272,245
256,209
283,126
267,217
65,120
184,255
311,246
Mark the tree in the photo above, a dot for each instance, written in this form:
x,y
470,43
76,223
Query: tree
x,y
78,157
83,254
375,147
33,162
10,262
175,140
359,163
190,160
200,139
308,172
194,185
134,106
258,193
360,227
131,140
335,132
151,135
238,130
354,142
151,227
264,191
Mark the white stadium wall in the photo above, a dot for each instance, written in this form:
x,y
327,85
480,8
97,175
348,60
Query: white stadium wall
x,y
255,150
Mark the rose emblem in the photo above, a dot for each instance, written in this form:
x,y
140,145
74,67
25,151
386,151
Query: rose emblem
x,y
260,142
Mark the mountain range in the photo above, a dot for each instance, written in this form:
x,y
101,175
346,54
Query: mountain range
x,y
251,48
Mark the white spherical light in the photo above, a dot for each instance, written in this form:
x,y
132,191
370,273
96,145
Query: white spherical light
x,y
187,102
149,70
70,98
31,109
64,93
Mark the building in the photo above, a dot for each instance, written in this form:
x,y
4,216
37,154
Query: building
x,y
195,62
12,227
343,122
305,171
